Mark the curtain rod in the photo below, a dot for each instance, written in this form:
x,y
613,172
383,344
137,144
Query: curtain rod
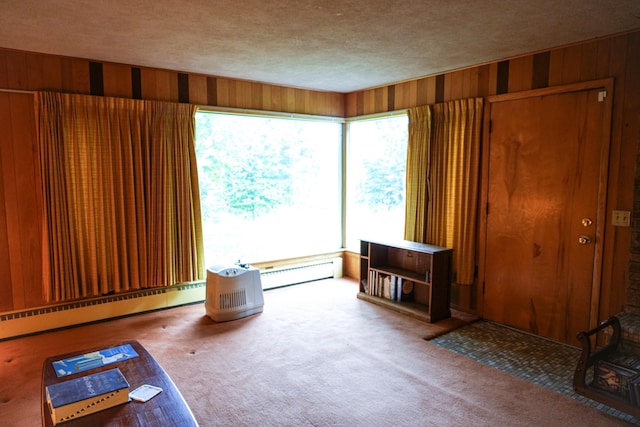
x,y
266,113
374,116
17,91
230,110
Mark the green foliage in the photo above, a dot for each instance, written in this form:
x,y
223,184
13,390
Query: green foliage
x,y
383,155
249,173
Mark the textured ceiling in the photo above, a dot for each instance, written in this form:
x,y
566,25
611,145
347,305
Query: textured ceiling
x,y
334,45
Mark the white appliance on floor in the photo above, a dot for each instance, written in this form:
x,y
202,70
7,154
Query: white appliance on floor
x,y
233,291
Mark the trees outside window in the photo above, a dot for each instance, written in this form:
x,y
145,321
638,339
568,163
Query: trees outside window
x,y
270,187
376,169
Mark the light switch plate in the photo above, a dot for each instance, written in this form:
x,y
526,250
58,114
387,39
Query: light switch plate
x,y
621,218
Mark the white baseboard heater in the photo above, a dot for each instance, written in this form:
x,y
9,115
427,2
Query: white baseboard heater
x,y
25,322
30,321
294,274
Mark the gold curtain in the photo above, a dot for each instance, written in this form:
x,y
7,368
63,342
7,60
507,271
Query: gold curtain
x,y
122,205
417,182
452,175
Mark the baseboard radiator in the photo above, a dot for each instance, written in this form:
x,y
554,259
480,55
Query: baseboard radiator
x,y
294,274
26,322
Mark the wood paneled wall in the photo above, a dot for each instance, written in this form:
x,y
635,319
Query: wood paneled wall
x,y
20,214
32,71
20,199
617,57
20,205
577,63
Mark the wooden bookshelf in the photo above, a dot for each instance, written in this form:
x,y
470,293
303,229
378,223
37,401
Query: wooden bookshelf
x,y
408,277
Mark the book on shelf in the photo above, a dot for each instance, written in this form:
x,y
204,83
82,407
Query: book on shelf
x,y
393,283
86,395
384,285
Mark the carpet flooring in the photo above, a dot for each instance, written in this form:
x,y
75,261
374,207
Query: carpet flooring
x,y
316,356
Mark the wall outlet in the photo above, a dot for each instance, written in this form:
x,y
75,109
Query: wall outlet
x,y
621,218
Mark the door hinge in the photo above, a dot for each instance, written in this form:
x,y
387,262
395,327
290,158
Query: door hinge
x,y
602,95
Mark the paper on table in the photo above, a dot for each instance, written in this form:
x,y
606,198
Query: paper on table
x,y
144,392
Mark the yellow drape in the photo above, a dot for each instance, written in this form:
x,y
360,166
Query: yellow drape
x,y
121,194
417,183
452,174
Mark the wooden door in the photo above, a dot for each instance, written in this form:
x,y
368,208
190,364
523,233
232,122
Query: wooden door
x,y
546,170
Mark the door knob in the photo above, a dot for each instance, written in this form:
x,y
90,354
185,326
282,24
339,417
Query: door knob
x,y
584,240
586,222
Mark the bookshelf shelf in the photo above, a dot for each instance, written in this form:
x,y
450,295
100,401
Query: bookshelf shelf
x,y
408,277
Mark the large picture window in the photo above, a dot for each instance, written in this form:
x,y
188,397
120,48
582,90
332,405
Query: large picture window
x,y
376,175
270,187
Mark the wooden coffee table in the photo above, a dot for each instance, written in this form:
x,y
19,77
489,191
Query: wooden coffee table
x,y
166,409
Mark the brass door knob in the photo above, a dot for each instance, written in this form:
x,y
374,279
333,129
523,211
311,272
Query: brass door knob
x,y
584,240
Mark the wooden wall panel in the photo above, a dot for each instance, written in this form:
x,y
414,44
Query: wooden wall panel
x,y
20,197
351,265
51,72
35,72
484,80
198,93
11,206
6,249
616,57
624,62
117,80
17,71
602,59
79,79
28,201
520,74
4,69
270,97
20,233
589,62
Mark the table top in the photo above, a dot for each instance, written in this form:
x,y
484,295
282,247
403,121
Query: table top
x,y
166,409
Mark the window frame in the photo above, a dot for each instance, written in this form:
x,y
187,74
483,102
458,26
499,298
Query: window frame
x,y
305,118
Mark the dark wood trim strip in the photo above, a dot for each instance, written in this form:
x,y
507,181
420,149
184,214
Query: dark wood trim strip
x,y
212,91
391,98
439,88
503,77
96,79
183,87
136,83
540,77
360,103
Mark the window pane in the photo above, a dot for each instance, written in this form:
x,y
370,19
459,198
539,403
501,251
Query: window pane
x,y
269,187
376,165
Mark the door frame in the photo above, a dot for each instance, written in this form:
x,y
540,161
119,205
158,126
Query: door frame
x,y
604,84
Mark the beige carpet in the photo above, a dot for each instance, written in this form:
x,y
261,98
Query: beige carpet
x,y
316,356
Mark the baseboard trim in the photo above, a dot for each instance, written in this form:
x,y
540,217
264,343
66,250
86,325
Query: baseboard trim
x,y
27,322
